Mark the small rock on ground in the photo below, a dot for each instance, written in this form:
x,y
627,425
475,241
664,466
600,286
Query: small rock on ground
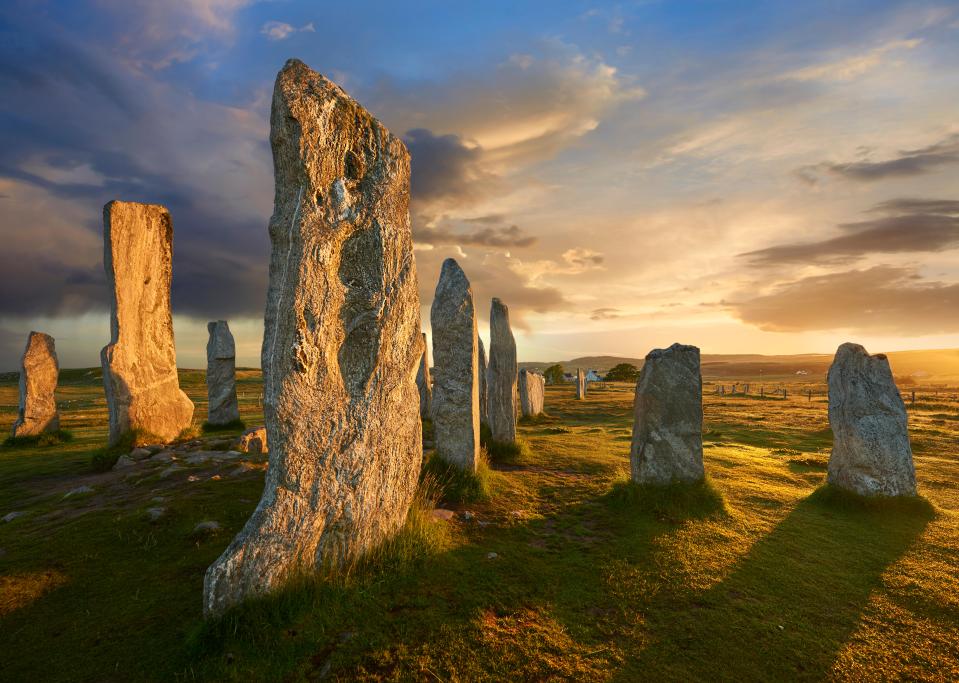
x,y
123,462
207,527
491,556
446,515
140,453
80,490
155,513
10,516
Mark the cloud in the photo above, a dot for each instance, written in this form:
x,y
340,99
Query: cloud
x,y
907,163
446,172
905,233
492,235
851,67
581,258
278,30
882,299
605,313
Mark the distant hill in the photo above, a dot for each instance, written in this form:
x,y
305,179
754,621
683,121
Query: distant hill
x,y
937,364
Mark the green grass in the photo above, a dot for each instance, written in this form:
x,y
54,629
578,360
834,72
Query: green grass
x,y
455,485
60,436
565,572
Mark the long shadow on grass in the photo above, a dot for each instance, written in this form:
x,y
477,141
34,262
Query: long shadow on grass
x,y
792,602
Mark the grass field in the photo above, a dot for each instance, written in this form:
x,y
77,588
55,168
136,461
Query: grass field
x,y
565,572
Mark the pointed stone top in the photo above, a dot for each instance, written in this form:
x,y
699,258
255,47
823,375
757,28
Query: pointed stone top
x,y
675,349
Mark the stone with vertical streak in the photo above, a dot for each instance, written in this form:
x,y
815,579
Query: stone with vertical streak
x,y
222,407
39,372
341,347
580,384
139,364
871,453
501,375
667,444
456,381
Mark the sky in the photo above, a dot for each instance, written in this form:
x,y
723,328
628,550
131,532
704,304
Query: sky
x,y
767,177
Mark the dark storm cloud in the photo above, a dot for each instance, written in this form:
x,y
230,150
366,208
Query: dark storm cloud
x,y
492,235
935,229
446,171
883,299
908,163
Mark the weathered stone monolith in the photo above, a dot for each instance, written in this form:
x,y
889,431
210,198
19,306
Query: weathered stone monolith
x,y
456,390
668,418
871,453
341,345
580,384
223,407
424,383
481,370
501,375
39,371
139,364
532,390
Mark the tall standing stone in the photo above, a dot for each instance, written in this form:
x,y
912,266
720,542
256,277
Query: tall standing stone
x,y
456,392
667,441
501,375
871,454
139,364
223,407
481,370
424,383
532,393
580,384
39,372
341,345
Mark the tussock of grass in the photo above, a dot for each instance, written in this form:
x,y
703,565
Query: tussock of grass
x,y
42,440
542,418
235,425
846,501
672,502
454,485
504,452
104,459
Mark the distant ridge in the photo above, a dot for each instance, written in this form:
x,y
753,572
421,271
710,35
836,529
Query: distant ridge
x,y
936,363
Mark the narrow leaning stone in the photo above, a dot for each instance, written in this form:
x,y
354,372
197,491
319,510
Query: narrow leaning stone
x,y
481,370
39,372
340,349
667,441
424,382
456,389
580,384
139,364
223,407
501,376
532,389
871,454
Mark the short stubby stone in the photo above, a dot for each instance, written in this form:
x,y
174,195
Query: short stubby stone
x,y
253,440
481,370
39,371
580,384
456,381
501,375
341,345
871,454
223,407
667,443
424,382
532,393
139,364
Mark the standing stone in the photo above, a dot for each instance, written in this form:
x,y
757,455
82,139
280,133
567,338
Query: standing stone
x,y
39,372
424,383
456,395
501,375
580,384
481,370
532,391
668,418
341,345
871,454
221,375
139,364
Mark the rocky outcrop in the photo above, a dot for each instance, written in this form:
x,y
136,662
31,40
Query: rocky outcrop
x,y
481,370
456,381
532,393
341,345
221,375
871,453
667,441
39,372
580,384
424,383
501,375
139,364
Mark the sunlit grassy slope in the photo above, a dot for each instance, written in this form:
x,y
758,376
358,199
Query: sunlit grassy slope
x,y
760,575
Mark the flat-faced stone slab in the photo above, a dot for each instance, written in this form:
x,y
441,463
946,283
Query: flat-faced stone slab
x,y
223,407
532,393
39,371
502,375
